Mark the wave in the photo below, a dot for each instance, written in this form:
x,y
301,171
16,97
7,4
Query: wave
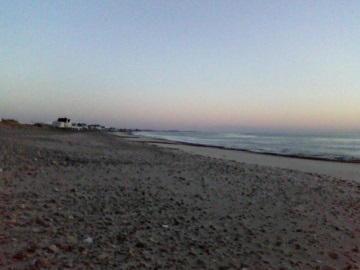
x,y
234,135
300,146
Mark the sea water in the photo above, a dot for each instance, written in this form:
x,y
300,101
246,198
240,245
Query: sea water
x,y
344,147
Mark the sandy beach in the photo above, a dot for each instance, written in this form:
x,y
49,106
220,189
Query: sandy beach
x,y
91,200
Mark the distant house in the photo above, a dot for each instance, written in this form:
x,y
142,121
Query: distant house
x,y
82,125
97,127
79,126
112,129
62,123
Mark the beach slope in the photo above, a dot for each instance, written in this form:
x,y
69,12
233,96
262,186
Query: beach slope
x,y
90,200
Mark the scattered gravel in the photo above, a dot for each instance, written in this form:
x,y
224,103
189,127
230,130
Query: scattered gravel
x,y
89,200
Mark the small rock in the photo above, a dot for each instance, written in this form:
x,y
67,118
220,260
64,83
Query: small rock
x,y
89,241
333,255
1,170
140,244
71,239
41,262
39,220
69,264
121,237
143,265
165,226
27,167
202,264
152,240
100,258
35,230
65,247
19,256
53,248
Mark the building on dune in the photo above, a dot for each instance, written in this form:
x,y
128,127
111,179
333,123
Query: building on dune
x,y
63,122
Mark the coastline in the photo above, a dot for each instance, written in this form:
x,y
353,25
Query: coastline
x,y
168,141
90,200
348,170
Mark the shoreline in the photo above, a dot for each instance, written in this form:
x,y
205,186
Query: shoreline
x,y
164,141
341,169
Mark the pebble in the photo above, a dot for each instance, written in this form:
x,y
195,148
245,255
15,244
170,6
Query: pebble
x,y
35,230
19,256
141,244
333,255
1,170
100,258
39,220
69,264
65,247
41,262
53,248
121,237
71,239
89,241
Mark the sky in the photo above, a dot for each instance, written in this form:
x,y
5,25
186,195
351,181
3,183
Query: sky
x,y
189,65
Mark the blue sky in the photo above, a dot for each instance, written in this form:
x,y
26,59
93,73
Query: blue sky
x,y
199,65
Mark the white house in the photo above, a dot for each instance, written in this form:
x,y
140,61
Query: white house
x,y
62,123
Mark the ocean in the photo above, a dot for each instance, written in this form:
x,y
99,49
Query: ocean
x,y
341,147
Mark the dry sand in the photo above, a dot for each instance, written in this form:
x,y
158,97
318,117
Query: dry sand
x,y
89,200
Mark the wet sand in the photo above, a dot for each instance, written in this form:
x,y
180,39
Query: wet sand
x,y
349,171
343,170
90,200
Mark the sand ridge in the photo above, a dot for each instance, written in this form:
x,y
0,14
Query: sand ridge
x,y
89,200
